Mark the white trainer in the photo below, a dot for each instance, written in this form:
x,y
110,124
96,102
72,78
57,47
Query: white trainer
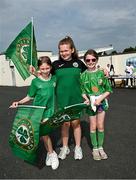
x,y
96,155
78,153
102,153
48,161
64,152
52,160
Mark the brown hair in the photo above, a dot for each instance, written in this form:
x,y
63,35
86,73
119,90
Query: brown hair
x,y
44,59
68,40
91,52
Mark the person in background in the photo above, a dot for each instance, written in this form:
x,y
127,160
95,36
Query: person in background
x,y
68,92
129,73
107,70
95,90
42,89
98,66
111,74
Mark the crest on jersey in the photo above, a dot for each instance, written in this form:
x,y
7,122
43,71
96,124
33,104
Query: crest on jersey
x,y
75,64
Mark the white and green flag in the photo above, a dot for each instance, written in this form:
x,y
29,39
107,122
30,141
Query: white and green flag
x,y
28,128
22,51
24,136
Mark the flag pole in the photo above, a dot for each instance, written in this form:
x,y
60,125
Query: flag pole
x,y
31,40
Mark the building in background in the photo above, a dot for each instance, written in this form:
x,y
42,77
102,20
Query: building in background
x,y
9,76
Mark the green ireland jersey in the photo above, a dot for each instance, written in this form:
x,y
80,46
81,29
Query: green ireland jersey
x,y
68,89
94,83
43,92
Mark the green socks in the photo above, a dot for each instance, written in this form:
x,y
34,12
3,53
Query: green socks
x,y
93,139
100,138
97,139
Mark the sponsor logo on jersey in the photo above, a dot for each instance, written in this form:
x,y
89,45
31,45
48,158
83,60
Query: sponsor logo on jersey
x,y
61,65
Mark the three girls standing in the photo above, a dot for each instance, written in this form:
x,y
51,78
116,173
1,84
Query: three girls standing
x,y
69,83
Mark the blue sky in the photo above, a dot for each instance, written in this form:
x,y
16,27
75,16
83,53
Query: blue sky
x,y
91,23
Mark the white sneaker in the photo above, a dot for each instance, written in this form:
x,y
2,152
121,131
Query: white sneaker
x,y
48,161
96,155
64,152
52,160
78,153
102,153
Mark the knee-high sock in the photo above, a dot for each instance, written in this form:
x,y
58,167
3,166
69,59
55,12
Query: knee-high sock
x,y
94,139
100,138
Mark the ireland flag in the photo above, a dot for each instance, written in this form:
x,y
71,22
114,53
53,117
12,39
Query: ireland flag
x,y
65,114
28,128
22,51
24,136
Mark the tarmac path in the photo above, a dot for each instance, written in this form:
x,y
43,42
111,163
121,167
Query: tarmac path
x,y
120,143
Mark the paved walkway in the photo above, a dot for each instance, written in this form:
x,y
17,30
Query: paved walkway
x,y
120,143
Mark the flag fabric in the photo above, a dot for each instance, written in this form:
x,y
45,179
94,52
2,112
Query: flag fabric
x,y
24,136
22,51
63,115
28,128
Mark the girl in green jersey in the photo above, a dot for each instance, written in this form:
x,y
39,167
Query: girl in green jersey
x,y
68,92
95,88
42,89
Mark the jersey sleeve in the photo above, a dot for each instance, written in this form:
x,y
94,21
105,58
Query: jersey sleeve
x,y
32,89
54,66
83,67
82,84
53,70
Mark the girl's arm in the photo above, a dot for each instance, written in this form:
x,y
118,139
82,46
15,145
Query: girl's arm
x,y
87,101
101,98
33,71
22,101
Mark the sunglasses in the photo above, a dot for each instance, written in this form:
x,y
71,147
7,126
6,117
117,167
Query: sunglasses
x,y
92,60
44,69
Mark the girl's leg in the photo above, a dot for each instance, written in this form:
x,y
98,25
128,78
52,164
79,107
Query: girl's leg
x,y
100,126
51,158
77,135
48,144
65,133
65,136
93,136
93,131
77,131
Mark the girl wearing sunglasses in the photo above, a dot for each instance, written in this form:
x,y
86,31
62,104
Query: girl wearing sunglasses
x,y
95,90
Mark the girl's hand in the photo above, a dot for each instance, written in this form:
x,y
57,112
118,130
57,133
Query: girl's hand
x,y
97,102
14,104
87,102
32,69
